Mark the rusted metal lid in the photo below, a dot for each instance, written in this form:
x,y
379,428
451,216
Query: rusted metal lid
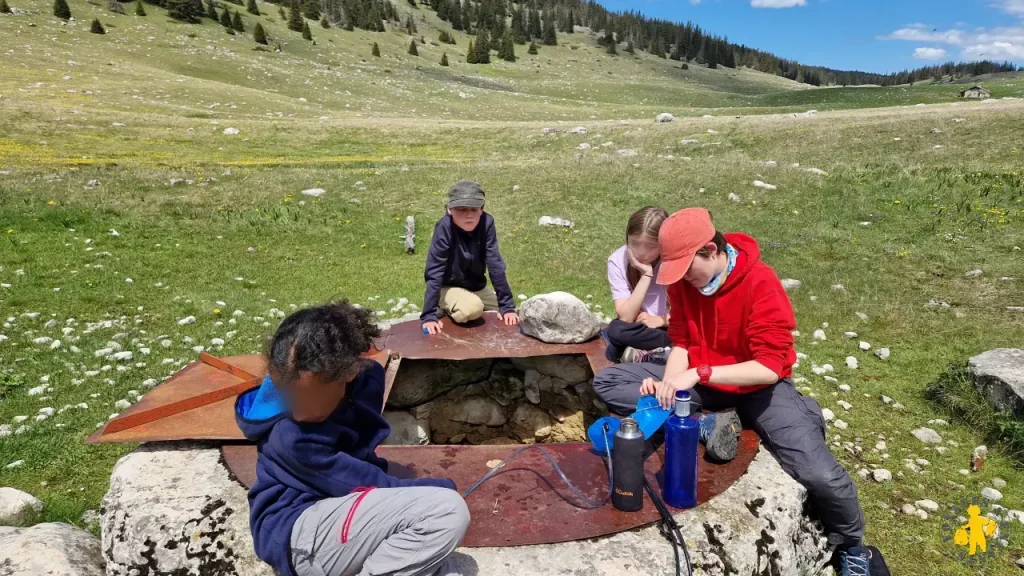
x,y
527,503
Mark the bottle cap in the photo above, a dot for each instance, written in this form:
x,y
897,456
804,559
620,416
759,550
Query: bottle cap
x,y
683,395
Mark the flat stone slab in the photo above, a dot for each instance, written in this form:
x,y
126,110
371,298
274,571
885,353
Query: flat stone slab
x,y
49,549
999,376
175,508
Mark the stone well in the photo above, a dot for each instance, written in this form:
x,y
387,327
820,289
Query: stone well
x,y
493,401
174,509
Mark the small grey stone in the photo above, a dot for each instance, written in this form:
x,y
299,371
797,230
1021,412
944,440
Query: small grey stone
x,y
929,505
790,284
999,483
927,435
882,353
992,494
908,509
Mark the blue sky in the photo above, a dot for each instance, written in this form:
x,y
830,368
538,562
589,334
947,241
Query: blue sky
x,y
869,35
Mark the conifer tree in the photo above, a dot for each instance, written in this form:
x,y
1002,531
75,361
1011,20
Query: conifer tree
x,y
280,12
61,10
311,9
252,8
259,35
611,48
571,28
444,59
236,23
518,32
96,27
410,25
550,37
467,17
412,49
225,19
508,48
455,15
323,22
483,46
184,10
471,53
534,29
139,10
533,49
211,11
413,4
629,47
5,9
295,21
376,50
307,34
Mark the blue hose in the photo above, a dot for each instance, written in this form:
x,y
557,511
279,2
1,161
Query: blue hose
x,y
590,503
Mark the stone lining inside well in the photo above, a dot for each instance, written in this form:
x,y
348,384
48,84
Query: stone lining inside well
x,y
493,401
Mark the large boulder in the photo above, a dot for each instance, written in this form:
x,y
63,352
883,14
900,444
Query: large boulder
x,y
173,508
999,376
420,381
17,507
50,549
558,318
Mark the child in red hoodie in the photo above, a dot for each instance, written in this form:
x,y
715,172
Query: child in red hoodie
x,y
733,348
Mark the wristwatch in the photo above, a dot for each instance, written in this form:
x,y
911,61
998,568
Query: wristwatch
x,y
704,373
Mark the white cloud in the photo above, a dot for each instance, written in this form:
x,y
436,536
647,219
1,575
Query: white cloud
x,y
1014,7
1003,43
777,3
994,51
694,2
929,53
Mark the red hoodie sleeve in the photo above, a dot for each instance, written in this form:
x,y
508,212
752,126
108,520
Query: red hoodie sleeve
x,y
678,330
768,330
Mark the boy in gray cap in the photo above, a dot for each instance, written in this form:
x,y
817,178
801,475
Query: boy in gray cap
x,y
463,251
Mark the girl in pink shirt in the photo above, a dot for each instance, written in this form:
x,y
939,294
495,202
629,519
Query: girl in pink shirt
x,y
641,306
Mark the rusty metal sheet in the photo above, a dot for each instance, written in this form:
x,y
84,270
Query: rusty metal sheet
x,y
197,402
485,338
528,503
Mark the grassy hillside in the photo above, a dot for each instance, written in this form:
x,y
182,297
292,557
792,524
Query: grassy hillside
x,y
124,204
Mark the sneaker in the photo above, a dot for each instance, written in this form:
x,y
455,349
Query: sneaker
x,y
855,561
720,433
634,356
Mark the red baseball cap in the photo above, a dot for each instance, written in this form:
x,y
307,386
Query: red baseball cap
x,y
681,236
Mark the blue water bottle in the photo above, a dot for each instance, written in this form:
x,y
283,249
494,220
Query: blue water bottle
x,y
681,435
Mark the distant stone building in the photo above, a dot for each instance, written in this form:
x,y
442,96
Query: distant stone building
x,y
976,92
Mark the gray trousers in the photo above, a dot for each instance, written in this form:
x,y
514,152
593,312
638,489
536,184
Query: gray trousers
x,y
790,426
402,531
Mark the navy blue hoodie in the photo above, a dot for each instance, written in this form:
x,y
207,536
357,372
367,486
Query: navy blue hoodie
x,y
462,259
301,463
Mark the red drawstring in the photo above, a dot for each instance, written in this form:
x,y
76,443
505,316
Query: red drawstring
x,y
352,511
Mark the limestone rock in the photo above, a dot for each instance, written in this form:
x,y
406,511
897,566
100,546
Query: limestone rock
x,y
531,423
664,117
790,284
406,429
173,509
999,376
992,494
17,507
572,369
51,549
558,317
170,492
929,505
881,475
479,410
927,435
420,381
531,386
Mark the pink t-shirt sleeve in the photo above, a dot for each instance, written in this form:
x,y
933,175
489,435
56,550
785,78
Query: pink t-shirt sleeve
x,y
617,275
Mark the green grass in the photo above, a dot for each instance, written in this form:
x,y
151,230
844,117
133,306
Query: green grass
x,y
407,135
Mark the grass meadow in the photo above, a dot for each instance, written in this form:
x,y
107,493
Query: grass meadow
x,y
125,209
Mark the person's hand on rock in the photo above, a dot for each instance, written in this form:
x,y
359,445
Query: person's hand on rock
x,y
510,318
434,327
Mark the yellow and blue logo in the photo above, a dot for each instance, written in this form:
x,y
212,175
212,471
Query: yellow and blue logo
x,y
975,535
